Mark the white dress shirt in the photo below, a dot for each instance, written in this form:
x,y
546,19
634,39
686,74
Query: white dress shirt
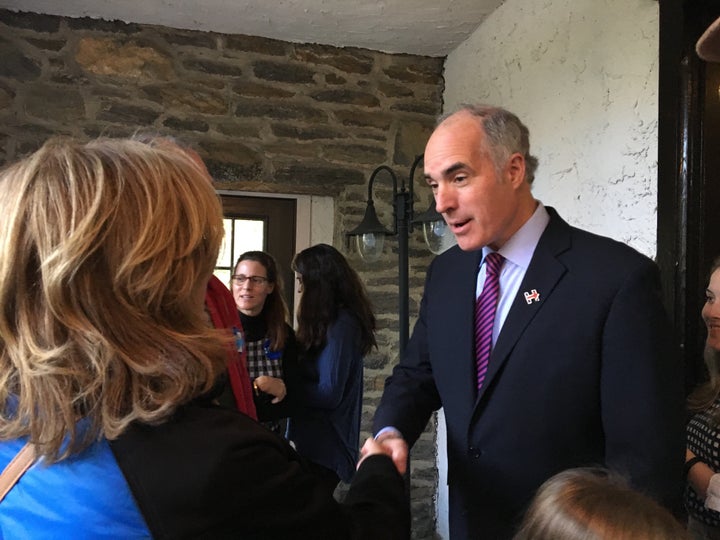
x,y
518,252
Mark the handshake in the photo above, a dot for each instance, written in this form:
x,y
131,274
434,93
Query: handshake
x,y
389,442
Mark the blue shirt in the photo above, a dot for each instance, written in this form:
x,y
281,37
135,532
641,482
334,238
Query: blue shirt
x,y
81,497
326,427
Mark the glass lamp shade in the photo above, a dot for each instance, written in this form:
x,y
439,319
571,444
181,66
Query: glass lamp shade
x,y
370,246
434,232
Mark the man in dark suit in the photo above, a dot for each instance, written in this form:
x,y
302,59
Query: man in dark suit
x,y
582,369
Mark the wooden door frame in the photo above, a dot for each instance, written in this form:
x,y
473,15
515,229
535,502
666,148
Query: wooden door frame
x,y
684,244
278,215
314,222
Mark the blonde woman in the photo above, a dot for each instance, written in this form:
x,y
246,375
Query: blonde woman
x,y
595,504
702,465
108,365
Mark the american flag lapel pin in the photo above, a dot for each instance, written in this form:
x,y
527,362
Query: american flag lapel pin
x,y
531,296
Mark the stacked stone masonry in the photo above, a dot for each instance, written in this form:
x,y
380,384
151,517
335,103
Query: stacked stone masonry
x,y
266,115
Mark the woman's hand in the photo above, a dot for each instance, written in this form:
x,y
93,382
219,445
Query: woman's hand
x,y
699,475
271,385
370,448
393,446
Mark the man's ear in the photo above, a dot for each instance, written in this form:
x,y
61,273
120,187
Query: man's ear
x,y
515,169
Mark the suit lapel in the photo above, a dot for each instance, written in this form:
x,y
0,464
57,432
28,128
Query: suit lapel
x,y
543,274
458,291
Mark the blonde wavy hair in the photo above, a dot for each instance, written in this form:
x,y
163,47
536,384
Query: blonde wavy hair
x,y
593,503
105,252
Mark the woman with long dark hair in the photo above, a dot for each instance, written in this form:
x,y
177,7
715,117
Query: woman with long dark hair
x,y
336,329
257,289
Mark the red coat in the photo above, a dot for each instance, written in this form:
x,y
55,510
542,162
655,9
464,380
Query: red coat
x,y
221,306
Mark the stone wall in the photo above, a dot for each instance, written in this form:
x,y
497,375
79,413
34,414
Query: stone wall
x,y
266,115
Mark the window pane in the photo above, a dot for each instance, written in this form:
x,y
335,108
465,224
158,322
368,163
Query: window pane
x,y
240,235
249,236
225,256
223,275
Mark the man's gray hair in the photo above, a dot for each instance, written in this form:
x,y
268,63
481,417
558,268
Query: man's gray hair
x,y
506,135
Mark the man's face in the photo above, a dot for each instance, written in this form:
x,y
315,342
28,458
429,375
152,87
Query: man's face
x,y
480,206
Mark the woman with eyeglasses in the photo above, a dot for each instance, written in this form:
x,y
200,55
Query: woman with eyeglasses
x,y
336,329
269,340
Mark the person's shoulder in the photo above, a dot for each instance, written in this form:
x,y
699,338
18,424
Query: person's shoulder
x,y
606,243
454,252
453,258
598,248
346,317
199,420
347,324
610,251
217,289
220,303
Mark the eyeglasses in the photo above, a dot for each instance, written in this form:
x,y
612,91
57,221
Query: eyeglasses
x,y
242,278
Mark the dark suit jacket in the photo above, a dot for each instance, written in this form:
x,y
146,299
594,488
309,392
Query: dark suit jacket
x,y
587,375
212,473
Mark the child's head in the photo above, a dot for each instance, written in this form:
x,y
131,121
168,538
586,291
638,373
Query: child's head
x,y
590,503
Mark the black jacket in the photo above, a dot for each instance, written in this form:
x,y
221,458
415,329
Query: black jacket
x,y
214,473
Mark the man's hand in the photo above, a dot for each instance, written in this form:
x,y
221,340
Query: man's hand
x,y
391,444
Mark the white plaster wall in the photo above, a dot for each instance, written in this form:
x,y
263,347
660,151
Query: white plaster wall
x,y
582,75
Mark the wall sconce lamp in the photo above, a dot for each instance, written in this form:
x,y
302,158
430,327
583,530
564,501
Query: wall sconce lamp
x,y
370,234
